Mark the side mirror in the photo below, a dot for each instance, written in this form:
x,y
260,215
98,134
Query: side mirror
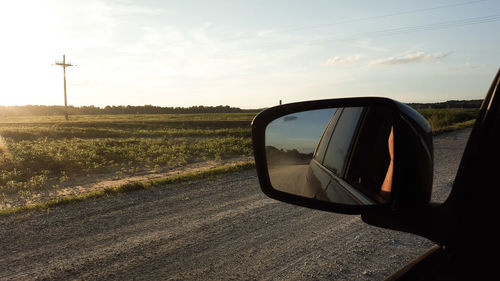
x,y
344,155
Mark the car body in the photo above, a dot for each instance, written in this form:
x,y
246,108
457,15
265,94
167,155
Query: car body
x,y
338,165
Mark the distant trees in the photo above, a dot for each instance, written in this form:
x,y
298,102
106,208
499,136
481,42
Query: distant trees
x,y
449,104
47,110
44,110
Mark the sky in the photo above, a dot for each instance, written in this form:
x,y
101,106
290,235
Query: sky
x,y
301,130
247,54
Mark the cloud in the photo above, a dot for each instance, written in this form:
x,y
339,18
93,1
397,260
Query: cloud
x,y
466,67
411,58
339,61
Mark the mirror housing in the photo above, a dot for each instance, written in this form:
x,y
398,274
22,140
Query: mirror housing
x,y
413,159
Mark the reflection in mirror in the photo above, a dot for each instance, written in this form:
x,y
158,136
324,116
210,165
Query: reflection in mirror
x,y
340,155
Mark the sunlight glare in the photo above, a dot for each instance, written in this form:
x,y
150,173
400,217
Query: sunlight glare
x,y
28,49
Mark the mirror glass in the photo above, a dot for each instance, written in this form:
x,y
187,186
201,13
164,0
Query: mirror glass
x,y
341,155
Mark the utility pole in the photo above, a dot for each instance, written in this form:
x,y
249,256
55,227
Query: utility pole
x,y
64,65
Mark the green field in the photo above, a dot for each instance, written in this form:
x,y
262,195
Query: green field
x,y
46,152
448,119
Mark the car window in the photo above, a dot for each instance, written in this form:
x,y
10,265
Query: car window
x,y
340,142
319,154
370,159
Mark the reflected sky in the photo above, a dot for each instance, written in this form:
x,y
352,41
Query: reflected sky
x,y
301,130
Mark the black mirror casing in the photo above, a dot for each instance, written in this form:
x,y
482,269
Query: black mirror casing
x,y
416,160
413,169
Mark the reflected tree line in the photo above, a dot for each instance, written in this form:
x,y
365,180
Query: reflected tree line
x,y
277,156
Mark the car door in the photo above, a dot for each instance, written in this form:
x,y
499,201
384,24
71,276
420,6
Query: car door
x,y
326,173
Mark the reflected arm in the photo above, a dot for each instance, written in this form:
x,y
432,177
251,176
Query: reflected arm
x,y
385,190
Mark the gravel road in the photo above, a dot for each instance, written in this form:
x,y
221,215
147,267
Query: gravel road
x,y
219,229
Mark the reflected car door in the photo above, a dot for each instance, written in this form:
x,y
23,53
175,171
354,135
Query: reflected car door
x,y
327,169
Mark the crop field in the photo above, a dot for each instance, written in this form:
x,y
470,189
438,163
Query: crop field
x,y
46,152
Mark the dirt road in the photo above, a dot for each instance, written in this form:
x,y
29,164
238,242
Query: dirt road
x,y
291,179
221,229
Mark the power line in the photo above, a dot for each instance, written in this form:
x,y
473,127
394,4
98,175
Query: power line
x,y
371,18
399,30
382,16
387,32
416,28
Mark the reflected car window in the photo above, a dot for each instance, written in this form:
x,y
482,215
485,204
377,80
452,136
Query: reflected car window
x,y
319,154
340,141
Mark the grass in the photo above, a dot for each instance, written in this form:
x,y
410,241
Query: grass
x,y
129,187
453,127
448,119
55,132
41,153
130,118
32,163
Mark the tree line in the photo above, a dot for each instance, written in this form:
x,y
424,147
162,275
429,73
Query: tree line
x,y
449,104
47,110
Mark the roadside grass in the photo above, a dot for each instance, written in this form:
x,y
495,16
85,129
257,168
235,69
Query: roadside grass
x,y
129,187
453,127
448,119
